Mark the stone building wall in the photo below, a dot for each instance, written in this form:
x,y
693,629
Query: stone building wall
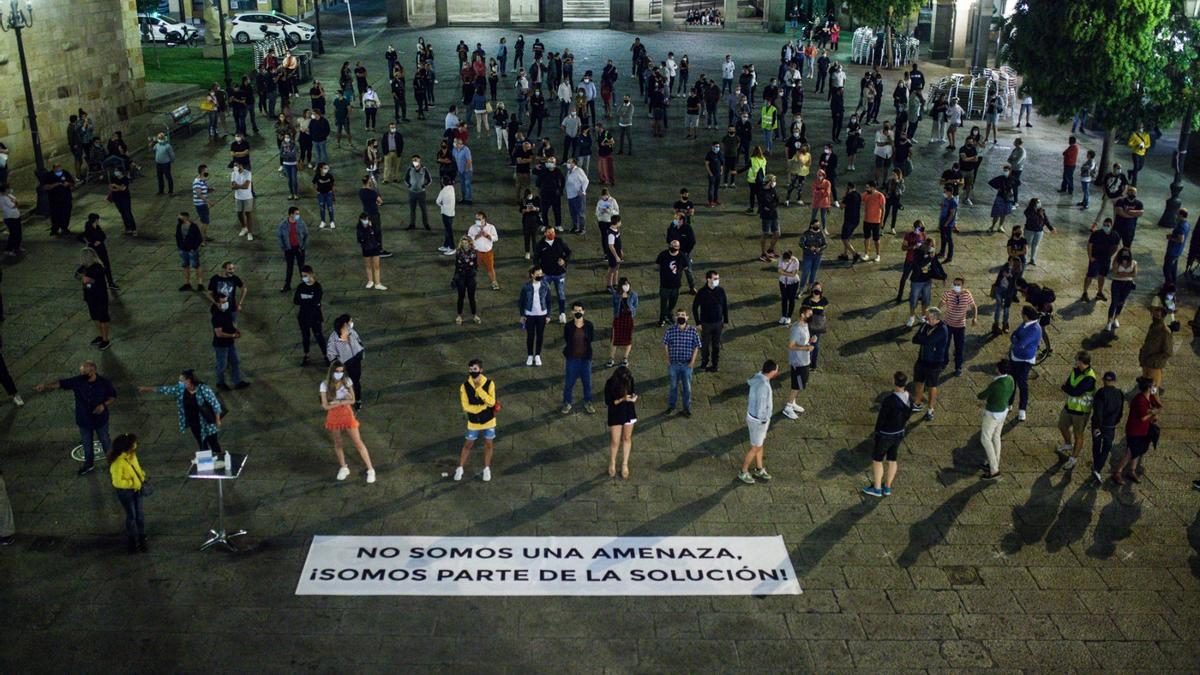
x,y
81,54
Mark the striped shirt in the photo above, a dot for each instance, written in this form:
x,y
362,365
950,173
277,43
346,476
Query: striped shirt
x,y
200,191
954,307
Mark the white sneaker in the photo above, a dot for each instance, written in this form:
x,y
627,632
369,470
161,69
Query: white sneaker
x,y
562,318
380,287
18,401
529,360
787,321
458,473
1021,415
448,251
876,257
441,249
796,407
370,475
343,473
1063,449
370,284
789,413
537,361
527,256
487,473
249,237
322,225
243,233
1108,326
331,225
1116,323
911,320
1070,464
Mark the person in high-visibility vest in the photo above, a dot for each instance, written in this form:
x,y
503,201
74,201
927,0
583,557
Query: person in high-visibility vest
x,y
769,121
1080,387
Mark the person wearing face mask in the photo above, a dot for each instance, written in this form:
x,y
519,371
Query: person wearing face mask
x,y
551,256
1102,244
93,235
681,346
534,305
576,185
711,309
225,336
1125,273
287,164
188,240
368,236
293,241
1175,247
933,337
577,350
1159,345
478,399
307,299
828,162
714,165
241,181
925,268
812,246
416,179
199,408
625,305
954,305
344,345
392,147
338,393
551,184
119,195
671,263
1002,205
484,236
164,155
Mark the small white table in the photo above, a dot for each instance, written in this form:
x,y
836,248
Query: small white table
x,y
221,474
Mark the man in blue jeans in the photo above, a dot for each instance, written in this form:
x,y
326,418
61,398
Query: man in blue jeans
x,y
466,169
681,344
318,130
93,396
1175,244
577,349
1023,354
225,334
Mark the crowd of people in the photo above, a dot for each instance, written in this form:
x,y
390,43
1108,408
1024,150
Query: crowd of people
x,y
550,116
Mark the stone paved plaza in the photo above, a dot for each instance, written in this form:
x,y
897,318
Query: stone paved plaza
x,y
1039,571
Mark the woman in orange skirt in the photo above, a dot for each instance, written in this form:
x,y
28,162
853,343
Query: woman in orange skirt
x,y
337,398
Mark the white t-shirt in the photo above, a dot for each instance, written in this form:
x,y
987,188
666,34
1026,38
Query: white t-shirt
x,y
342,392
672,68
240,177
884,150
445,200
787,268
536,308
606,209
838,79
954,114
483,244
727,70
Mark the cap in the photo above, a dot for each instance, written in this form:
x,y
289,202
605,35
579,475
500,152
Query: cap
x,y
1110,376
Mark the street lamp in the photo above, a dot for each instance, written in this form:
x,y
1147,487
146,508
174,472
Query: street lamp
x,y
16,21
224,45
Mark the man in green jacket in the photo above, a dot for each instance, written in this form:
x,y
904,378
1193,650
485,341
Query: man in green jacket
x,y
997,398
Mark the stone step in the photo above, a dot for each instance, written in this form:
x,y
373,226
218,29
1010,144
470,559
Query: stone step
x,y
585,10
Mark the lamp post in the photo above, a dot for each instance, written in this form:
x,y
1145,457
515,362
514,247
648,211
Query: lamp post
x,y
224,44
320,43
16,21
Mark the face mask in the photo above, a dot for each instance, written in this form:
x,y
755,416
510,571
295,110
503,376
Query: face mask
x,y
416,164
537,280
337,375
578,315
365,222
118,174
224,306
1170,297
681,321
1106,229
715,282
324,171
58,172
474,373
307,279
625,288
957,288
549,165
716,148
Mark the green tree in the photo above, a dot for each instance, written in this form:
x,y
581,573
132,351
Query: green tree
x,y
1179,42
886,13
1103,55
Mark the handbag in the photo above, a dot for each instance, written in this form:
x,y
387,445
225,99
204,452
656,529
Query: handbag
x,y
209,415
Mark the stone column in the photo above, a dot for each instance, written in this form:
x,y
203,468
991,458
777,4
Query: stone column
x,y
505,12
397,13
731,13
667,20
441,13
620,13
775,15
552,12
958,37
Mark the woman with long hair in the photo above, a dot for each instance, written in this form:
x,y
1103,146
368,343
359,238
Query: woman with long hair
x,y
620,396
128,480
91,273
337,399
625,304
198,407
372,250
466,263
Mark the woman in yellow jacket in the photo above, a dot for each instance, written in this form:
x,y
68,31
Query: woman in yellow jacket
x,y
128,478
1139,143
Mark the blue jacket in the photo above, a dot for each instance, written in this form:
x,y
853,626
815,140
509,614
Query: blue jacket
x,y
301,234
525,304
633,303
935,343
1025,341
204,397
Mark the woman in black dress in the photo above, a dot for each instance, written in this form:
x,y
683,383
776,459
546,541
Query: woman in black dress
x,y
619,396
368,239
94,237
95,295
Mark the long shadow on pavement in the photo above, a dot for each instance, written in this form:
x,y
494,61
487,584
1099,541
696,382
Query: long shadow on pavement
x,y
1115,522
1073,520
816,545
924,534
1033,519
674,520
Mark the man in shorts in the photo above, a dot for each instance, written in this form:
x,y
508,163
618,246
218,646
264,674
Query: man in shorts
x,y
1102,245
478,398
612,252
873,203
1080,387
890,425
242,183
934,339
759,406
200,192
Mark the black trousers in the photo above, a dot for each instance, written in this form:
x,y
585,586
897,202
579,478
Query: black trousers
x,y
14,234
310,331
1101,447
6,380
293,256
535,330
163,173
710,341
467,290
102,254
354,370
551,204
206,443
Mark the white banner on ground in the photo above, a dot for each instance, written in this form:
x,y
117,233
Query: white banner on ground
x,y
548,566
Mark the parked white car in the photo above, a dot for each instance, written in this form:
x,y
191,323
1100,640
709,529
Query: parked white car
x,y
158,28
253,26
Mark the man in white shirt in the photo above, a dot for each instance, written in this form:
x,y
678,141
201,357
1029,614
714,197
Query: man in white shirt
x,y
728,69
563,94
484,236
242,183
576,188
672,70
451,118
